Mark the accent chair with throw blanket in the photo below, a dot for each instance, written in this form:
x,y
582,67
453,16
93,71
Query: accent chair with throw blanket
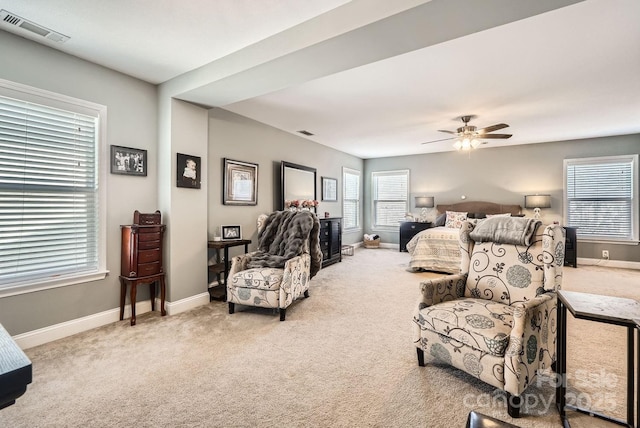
x,y
496,320
278,273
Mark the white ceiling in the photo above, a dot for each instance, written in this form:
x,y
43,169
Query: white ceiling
x,y
370,77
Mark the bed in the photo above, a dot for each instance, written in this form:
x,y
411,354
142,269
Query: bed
x,y
436,249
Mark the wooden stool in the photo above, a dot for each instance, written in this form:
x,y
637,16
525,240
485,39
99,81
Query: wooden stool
x,y
151,280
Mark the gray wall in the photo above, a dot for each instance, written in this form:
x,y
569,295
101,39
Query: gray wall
x,y
239,138
131,121
503,175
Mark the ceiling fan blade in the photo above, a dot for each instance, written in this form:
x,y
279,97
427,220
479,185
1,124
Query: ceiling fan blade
x,y
483,137
492,128
448,132
435,141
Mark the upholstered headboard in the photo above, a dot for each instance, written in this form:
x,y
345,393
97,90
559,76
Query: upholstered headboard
x,y
480,207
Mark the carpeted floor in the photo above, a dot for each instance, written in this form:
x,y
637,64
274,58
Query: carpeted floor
x,y
343,358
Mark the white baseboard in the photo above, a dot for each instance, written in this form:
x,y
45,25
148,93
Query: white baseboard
x,y
609,263
58,331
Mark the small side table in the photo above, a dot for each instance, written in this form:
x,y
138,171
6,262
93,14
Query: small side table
x,y
133,282
605,309
222,266
409,229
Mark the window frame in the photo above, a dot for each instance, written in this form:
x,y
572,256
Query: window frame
x,y
634,202
70,104
374,176
358,204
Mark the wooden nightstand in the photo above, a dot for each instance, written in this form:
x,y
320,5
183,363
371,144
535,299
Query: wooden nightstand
x,y
408,230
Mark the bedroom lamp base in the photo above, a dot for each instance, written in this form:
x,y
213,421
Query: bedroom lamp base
x,y
423,216
536,214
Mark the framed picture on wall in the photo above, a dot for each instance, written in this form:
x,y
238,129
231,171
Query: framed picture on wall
x,y
239,183
229,233
329,189
188,171
128,161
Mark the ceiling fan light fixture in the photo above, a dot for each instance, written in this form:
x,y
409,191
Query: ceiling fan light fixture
x,y
475,143
457,145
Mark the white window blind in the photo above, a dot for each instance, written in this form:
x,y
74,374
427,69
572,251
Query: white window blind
x,y
351,199
390,197
601,197
49,198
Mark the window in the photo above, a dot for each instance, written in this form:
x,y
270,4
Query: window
x,y
601,197
351,199
390,197
51,198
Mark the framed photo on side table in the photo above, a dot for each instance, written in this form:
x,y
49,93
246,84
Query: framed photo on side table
x,y
329,189
128,161
230,233
239,183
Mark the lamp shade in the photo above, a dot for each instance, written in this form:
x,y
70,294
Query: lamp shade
x,y
425,202
537,201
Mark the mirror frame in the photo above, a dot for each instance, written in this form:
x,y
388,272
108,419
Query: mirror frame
x,y
284,166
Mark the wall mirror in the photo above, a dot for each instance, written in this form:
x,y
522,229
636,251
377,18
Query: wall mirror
x,y
298,182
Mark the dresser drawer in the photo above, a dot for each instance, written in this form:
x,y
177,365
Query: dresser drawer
x,y
148,256
149,236
148,245
146,269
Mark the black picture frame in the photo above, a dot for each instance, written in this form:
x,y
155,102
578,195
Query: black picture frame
x,y
329,189
188,171
230,232
239,182
128,161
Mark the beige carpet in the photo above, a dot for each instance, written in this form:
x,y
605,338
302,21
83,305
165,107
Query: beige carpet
x,y
343,358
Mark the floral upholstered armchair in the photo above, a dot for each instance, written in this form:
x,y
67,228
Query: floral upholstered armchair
x,y
496,320
278,273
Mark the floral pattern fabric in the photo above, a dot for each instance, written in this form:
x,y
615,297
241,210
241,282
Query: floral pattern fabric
x,y
268,287
455,219
497,319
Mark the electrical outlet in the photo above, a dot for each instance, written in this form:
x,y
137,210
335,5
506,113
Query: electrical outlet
x,y
605,254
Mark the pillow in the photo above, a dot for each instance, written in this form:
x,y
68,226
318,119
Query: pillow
x,y
455,219
499,215
440,220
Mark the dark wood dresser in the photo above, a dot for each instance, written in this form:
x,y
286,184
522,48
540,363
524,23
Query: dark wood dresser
x,y
571,246
331,240
141,259
409,229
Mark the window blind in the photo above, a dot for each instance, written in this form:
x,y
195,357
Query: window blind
x,y
48,192
390,196
600,197
351,199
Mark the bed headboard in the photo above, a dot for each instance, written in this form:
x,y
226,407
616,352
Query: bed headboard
x,y
480,207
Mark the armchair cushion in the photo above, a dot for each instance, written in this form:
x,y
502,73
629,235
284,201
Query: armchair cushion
x,y
259,278
481,324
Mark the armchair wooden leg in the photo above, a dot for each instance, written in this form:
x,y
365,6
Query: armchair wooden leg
x,y
283,313
306,293
420,357
232,307
514,402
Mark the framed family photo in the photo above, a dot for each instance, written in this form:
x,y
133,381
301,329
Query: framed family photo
x,y
188,171
240,183
229,233
128,161
329,189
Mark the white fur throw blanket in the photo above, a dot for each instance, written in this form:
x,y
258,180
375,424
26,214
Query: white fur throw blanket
x,y
283,237
506,230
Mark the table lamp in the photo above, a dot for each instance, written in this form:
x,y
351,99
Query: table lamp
x,y
536,202
424,202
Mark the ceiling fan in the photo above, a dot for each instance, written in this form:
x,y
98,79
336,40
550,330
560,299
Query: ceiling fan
x,y
468,136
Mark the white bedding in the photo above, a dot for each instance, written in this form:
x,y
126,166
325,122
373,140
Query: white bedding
x,y
435,249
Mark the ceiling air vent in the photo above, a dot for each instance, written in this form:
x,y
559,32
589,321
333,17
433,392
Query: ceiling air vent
x,y
307,133
15,23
